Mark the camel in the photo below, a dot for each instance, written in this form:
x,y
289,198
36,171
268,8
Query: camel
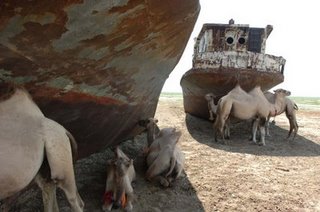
x,y
290,108
120,174
152,129
251,105
165,159
212,107
27,138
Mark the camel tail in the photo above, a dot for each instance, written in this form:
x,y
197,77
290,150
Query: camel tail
x,y
74,146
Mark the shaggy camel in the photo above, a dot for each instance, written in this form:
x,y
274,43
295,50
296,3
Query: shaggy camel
x,y
26,138
212,107
251,105
290,108
165,159
120,174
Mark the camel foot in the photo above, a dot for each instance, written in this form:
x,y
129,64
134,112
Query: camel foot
x,y
164,182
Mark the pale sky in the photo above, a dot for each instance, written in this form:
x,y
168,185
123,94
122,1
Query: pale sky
x,y
296,30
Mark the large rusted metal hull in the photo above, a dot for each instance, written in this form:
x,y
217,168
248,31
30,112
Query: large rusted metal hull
x,y
96,67
196,83
226,55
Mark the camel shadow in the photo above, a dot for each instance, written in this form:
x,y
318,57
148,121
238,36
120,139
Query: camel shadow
x,y
91,178
276,145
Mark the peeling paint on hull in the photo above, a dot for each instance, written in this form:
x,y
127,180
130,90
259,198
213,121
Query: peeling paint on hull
x,y
96,67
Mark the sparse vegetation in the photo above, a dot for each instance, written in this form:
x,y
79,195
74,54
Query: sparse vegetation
x,y
303,102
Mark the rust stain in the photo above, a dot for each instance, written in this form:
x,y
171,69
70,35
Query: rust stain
x,y
126,65
70,96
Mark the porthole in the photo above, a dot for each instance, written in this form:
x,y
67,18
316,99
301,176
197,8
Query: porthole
x,y
242,40
229,40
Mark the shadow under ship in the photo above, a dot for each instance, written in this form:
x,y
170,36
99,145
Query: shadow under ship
x,y
96,67
224,55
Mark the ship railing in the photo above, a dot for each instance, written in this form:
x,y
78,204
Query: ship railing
x,y
239,60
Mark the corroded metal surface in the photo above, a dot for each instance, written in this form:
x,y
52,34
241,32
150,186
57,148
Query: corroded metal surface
x,y
97,67
196,83
239,60
225,55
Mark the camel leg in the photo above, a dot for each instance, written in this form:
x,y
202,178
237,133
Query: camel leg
x,y
211,115
49,198
255,123
68,185
227,129
296,127
267,127
129,206
157,178
262,127
215,134
218,127
293,128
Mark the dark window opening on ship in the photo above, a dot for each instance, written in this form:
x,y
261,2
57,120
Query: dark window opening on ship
x,y
229,40
242,40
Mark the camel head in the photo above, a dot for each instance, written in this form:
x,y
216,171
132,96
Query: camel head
x,y
152,128
282,92
148,123
171,132
119,169
209,96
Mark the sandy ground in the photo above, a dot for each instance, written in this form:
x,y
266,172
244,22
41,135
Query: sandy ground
x,y
240,176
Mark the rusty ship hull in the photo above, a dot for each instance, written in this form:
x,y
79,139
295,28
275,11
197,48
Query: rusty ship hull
x,y
96,67
226,55
197,83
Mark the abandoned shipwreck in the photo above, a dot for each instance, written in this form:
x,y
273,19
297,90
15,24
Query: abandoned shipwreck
x,y
96,67
224,55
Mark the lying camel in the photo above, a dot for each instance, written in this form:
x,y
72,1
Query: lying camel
x,y
120,174
290,108
251,105
161,147
165,159
26,138
212,107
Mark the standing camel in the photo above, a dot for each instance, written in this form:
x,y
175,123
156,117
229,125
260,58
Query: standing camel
x,y
26,138
212,107
244,106
290,108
